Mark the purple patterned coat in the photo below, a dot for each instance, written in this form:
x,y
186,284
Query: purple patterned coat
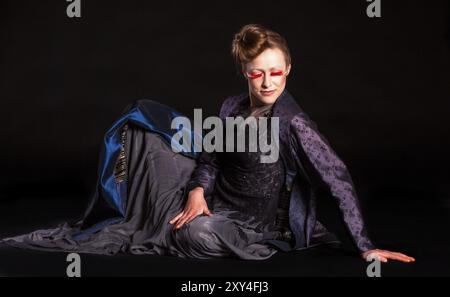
x,y
310,163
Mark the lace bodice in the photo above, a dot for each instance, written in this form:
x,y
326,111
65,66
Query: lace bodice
x,y
248,185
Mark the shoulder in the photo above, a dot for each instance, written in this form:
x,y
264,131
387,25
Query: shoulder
x,y
291,112
301,122
302,125
300,118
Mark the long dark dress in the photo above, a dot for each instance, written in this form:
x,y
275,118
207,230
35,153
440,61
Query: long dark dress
x,y
253,188
245,205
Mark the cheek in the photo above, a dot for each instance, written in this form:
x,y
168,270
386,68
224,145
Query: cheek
x,y
278,80
255,84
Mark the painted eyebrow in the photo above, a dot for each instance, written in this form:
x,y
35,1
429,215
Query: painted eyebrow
x,y
270,69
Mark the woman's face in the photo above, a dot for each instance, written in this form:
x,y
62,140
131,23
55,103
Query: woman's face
x,y
266,75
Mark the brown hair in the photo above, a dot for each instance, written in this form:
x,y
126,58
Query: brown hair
x,y
252,40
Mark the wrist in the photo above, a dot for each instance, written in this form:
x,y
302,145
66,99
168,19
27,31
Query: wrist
x,y
198,189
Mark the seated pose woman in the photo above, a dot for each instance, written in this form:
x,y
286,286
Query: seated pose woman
x,y
151,199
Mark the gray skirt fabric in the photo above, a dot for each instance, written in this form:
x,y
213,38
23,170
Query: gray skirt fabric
x,y
155,180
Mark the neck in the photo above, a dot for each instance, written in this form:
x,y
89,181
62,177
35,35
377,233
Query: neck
x,y
254,102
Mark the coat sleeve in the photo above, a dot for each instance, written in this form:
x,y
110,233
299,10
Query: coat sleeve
x,y
205,173
334,173
207,169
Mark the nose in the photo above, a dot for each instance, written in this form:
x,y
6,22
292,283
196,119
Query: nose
x,y
267,81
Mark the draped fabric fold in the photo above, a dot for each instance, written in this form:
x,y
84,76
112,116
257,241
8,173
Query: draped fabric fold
x,y
131,213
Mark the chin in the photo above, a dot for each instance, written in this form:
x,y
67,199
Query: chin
x,y
268,99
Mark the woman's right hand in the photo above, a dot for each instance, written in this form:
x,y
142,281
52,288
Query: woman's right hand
x,y
196,205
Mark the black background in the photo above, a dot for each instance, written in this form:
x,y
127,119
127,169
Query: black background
x,y
378,88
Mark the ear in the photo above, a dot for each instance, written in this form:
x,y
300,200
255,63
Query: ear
x,y
243,71
288,69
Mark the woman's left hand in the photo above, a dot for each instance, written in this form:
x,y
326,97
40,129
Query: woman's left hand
x,y
384,255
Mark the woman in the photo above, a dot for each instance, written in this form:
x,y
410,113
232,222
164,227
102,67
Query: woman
x,y
152,200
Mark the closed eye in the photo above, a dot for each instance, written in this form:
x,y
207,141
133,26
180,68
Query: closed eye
x,y
276,73
255,74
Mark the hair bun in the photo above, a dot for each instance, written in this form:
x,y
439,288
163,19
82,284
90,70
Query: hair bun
x,y
252,35
253,39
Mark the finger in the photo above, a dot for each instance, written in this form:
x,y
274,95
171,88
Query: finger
x,y
405,256
208,212
390,255
393,255
400,257
382,259
182,220
372,256
376,256
181,223
176,218
190,219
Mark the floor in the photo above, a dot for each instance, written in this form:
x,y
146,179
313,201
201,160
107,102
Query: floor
x,y
413,228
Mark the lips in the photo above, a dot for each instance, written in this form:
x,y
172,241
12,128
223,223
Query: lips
x,y
267,93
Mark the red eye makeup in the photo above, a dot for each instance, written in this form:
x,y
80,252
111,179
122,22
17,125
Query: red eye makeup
x,y
276,73
257,74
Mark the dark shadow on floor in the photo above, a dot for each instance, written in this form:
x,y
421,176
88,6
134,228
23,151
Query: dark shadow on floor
x,y
417,229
